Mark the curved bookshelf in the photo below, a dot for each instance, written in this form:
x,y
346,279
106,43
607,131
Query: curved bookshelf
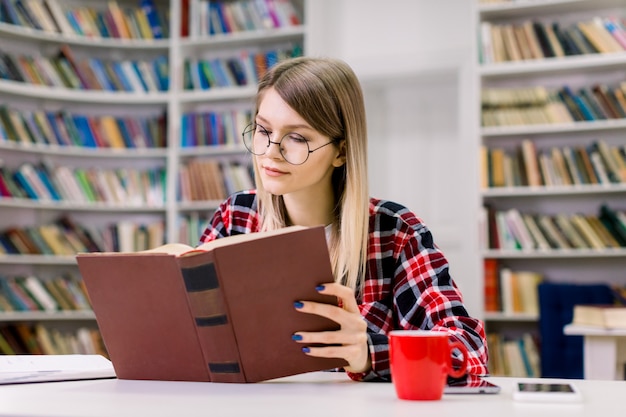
x,y
175,103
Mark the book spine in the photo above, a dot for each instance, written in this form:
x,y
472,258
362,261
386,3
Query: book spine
x,y
209,308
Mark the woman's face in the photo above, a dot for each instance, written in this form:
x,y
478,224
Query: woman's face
x,y
279,177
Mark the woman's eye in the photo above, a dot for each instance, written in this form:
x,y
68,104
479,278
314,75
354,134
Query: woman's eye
x,y
297,138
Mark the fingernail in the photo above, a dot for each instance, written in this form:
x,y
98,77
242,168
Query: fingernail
x,y
296,337
320,288
298,304
306,349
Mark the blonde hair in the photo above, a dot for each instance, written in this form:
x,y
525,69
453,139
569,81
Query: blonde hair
x,y
327,94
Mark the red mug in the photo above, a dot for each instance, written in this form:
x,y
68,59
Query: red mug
x,y
421,361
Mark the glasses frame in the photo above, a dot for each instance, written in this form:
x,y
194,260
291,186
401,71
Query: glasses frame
x,y
251,128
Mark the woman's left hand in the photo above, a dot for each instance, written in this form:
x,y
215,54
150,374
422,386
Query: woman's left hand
x,y
350,341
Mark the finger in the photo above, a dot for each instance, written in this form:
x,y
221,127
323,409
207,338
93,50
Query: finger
x,y
331,312
346,295
335,351
331,338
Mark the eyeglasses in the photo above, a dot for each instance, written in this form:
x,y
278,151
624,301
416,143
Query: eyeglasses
x,y
293,147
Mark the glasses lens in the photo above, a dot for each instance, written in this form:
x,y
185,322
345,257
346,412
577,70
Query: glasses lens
x,y
294,148
255,139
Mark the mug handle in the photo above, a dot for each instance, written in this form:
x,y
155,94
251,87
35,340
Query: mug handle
x,y
458,373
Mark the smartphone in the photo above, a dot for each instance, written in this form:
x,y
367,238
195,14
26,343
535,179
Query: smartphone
x,y
546,392
470,384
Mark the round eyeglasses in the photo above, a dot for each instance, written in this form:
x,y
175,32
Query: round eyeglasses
x,y
293,147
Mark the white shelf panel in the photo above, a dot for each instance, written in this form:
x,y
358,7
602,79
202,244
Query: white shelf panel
x,y
77,206
553,66
217,150
541,129
510,192
72,315
184,206
555,254
82,96
8,30
217,94
529,7
242,39
37,260
77,151
510,317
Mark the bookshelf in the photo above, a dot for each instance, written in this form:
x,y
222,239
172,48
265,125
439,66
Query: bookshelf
x,y
522,96
172,122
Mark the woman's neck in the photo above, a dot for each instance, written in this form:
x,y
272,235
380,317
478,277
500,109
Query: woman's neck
x,y
309,210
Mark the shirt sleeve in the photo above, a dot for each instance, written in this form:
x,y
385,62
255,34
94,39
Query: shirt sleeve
x,y
416,293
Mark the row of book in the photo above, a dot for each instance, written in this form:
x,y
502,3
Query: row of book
x,y
30,293
510,291
109,20
214,128
243,68
220,17
529,40
539,105
570,165
191,226
513,230
207,179
37,339
65,70
66,237
66,128
516,356
48,182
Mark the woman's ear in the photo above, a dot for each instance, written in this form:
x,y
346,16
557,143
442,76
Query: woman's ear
x,y
340,159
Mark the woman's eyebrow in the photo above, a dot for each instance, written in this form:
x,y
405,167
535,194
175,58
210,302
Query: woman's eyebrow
x,y
263,121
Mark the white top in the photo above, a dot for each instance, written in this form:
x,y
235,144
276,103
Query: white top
x,y
575,329
315,394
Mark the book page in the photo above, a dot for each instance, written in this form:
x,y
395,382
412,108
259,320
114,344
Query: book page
x,y
232,240
20,369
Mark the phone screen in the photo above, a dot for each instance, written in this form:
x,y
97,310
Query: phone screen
x,y
544,387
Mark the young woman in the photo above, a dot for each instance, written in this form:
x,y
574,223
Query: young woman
x,y
309,143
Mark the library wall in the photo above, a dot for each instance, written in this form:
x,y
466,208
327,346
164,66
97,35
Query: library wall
x,y
413,59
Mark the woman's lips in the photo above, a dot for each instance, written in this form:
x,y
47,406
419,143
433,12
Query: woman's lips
x,y
273,172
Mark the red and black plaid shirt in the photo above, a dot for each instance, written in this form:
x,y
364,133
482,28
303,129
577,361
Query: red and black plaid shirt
x,y
407,286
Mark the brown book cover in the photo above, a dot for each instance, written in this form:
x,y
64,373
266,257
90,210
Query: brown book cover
x,y
223,312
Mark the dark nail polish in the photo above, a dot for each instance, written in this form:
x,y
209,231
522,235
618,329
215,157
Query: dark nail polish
x,y
306,349
320,288
298,304
296,337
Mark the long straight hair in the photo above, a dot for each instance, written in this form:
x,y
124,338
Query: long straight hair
x,y
327,94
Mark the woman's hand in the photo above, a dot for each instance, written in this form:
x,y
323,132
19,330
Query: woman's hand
x,y
350,340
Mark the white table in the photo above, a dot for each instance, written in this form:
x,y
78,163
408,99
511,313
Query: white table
x,y
604,351
315,394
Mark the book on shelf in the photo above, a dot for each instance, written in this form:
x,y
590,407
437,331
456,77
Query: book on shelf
x,y
221,312
514,355
611,316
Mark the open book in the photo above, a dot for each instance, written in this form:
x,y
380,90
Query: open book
x,y
221,312
22,369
